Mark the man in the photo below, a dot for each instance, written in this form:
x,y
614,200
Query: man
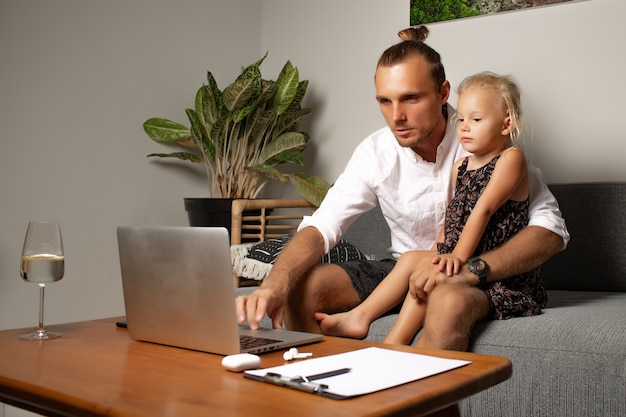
x,y
406,169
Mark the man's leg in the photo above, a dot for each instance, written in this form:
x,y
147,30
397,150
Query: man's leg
x,y
451,312
327,288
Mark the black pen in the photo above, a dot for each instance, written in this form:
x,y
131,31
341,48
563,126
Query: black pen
x,y
323,375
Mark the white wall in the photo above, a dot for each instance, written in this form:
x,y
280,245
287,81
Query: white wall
x,y
569,60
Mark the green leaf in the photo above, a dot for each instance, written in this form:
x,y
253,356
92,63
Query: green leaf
x,y
291,156
163,130
258,127
269,171
289,140
185,156
200,135
240,114
211,101
260,61
239,94
197,127
212,84
216,135
199,106
297,100
268,89
290,121
285,69
286,89
312,188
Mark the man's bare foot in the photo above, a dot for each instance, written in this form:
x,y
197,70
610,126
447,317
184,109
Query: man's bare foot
x,y
343,324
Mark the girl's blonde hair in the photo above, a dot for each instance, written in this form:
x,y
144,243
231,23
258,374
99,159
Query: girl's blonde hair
x,y
508,91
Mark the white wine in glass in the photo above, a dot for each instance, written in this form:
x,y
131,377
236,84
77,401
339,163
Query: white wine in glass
x,y
42,262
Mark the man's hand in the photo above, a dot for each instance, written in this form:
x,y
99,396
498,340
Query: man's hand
x,y
427,275
303,251
423,274
266,299
423,280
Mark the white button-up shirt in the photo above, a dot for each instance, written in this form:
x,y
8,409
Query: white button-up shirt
x,y
412,193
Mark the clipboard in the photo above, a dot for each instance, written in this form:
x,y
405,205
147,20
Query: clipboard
x,y
355,373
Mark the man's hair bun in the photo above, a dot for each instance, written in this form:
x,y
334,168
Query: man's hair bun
x,y
416,34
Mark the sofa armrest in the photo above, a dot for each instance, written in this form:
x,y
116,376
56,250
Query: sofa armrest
x,y
595,259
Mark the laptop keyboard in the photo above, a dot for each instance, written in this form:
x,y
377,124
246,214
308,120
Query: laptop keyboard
x,y
248,342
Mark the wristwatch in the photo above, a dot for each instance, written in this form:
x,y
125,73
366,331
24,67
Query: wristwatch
x,y
480,268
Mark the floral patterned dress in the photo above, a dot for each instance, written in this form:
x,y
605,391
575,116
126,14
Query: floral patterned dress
x,y
521,295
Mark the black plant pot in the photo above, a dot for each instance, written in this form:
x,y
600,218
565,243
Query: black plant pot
x,y
214,212
209,212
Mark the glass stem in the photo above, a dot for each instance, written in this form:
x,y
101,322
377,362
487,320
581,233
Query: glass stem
x,y
40,329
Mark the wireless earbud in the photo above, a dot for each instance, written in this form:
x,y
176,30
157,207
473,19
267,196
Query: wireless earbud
x,y
294,354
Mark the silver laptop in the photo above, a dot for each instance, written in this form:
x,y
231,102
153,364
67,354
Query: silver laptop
x,y
178,291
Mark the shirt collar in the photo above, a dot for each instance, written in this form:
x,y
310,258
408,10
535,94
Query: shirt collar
x,y
449,137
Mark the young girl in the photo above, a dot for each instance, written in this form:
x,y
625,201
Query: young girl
x,y
489,206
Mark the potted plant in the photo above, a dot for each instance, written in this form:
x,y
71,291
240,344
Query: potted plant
x,y
244,133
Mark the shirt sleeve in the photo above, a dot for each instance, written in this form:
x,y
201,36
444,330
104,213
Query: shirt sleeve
x,y
349,197
544,209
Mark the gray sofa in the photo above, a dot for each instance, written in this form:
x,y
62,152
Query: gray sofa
x,y
571,359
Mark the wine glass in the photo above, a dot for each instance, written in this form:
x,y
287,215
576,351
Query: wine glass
x,y
42,262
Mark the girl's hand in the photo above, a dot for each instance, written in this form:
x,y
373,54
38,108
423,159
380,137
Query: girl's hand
x,y
448,263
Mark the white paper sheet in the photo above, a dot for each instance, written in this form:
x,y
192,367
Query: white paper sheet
x,y
372,369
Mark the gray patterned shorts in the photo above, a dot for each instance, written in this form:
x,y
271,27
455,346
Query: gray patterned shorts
x,y
366,275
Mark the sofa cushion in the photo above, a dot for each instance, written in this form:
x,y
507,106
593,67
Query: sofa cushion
x,y
568,361
573,321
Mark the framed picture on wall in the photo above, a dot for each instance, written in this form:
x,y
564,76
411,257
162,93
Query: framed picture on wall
x,y
429,11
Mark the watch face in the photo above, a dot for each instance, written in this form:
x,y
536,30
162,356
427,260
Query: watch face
x,y
478,264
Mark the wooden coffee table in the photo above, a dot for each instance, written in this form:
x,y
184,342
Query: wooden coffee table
x,y
96,369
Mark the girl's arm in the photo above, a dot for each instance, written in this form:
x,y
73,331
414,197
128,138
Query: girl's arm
x,y
455,173
508,181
